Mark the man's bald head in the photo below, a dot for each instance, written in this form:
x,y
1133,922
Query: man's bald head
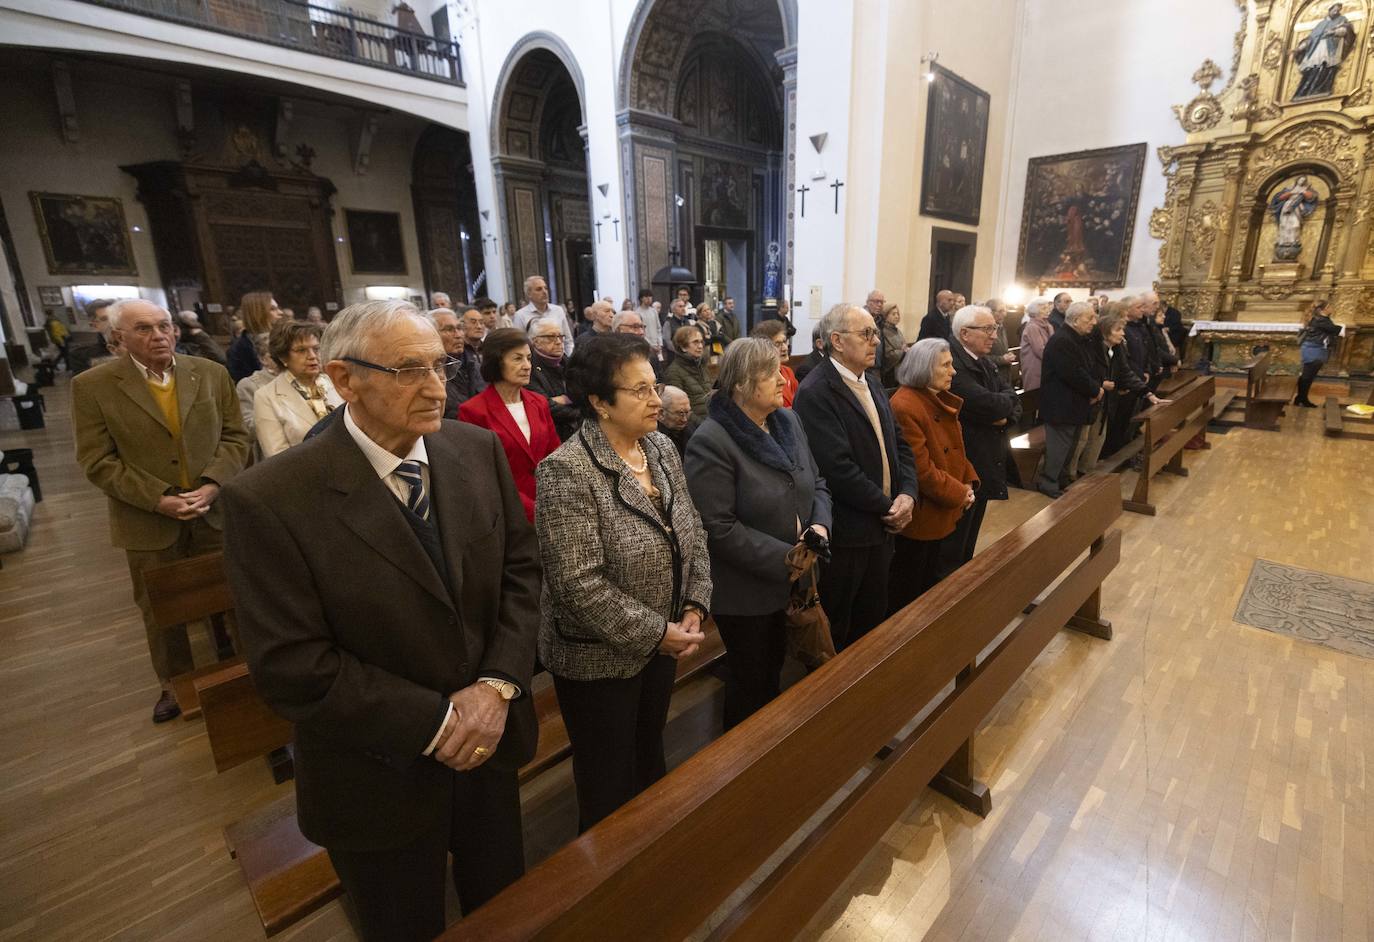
x,y
944,302
676,409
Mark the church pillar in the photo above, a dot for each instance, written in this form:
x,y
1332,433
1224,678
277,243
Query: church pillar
x,y
787,58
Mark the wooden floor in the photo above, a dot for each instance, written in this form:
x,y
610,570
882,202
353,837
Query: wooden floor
x,y
1191,779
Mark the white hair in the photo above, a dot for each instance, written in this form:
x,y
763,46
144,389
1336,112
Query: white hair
x,y
918,364
434,298
832,322
537,322
116,310
530,281
352,329
1076,310
964,317
1039,304
671,393
621,317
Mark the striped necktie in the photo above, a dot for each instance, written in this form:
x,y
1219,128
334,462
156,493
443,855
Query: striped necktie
x,y
418,502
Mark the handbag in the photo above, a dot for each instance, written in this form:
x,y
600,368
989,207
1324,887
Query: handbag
x,y
808,627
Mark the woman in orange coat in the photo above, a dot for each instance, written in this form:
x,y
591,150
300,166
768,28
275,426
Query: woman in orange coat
x,y
927,415
520,418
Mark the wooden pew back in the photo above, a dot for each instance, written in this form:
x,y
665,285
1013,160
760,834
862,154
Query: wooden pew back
x,y
188,589
704,829
1165,429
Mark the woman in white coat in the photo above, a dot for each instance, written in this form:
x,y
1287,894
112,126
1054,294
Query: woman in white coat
x,y
288,407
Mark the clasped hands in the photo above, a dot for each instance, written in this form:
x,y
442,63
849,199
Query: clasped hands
x,y
683,637
473,727
189,505
899,514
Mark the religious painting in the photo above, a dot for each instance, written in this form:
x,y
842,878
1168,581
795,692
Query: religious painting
x,y
1325,39
724,194
83,235
955,145
374,242
1079,216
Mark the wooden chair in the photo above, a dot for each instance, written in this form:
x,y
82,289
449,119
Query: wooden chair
x,y
1165,430
726,811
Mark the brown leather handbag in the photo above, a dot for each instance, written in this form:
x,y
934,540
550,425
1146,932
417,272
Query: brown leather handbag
x,y
808,627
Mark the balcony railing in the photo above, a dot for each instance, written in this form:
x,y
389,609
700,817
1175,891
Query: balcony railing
x,y
309,28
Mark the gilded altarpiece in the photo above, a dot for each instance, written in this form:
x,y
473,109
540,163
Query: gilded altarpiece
x,y
1269,202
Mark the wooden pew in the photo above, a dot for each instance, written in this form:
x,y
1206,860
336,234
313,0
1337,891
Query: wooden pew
x,y
1165,429
1339,424
1027,450
667,860
290,877
1266,394
185,591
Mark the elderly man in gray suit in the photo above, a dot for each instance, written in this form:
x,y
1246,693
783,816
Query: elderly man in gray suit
x,y
387,587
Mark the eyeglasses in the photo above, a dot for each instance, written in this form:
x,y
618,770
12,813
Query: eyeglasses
x,y
985,329
642,392
548,338
450,329
632,328
447,369
868,333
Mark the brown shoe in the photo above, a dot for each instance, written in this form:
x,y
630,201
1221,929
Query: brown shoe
x,y
166,708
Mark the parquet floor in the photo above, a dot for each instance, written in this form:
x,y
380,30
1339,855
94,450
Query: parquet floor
x,y
1191,779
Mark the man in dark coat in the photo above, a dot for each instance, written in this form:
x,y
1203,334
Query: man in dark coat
x,y
936,322
815,357
386,583
1069,389
547,377
467,382
867,465
990,408
1062,300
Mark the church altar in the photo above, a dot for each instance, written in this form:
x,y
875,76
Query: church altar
x,y
1231,344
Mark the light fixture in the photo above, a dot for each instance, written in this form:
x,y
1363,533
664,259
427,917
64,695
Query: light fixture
x,y
679,201
386,292
1014,294
928,60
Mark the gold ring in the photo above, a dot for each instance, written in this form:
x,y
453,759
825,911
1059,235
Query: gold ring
x,y
480,751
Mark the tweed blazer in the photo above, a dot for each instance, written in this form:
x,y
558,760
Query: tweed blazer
x,y
614,573
353,633
281,418
126,449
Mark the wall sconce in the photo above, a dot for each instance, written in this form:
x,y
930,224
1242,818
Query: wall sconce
x,y
1014,295
386,292
928,60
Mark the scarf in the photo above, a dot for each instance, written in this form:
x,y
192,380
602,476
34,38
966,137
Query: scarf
x,y
314,396
776,448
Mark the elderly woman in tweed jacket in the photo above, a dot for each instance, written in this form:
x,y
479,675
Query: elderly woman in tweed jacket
x,y
627,577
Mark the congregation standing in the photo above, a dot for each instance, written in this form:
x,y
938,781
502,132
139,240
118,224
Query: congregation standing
x,y
609,490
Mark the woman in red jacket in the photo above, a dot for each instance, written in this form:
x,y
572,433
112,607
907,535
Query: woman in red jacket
x,y
927,415
520,418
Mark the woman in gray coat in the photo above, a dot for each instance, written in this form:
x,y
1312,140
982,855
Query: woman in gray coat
x,y
753,479
627,578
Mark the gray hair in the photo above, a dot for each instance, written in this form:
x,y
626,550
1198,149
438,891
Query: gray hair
x,y
261,344
832,322
351,330
621,317
964,317
531,280
918,365
744,362
1076,310
117,309
537,322
1039,304
1129,300
434,298
439,310
672,392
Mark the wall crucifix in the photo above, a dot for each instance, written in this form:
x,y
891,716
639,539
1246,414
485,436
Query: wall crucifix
x,y
598,232
836,187
803,190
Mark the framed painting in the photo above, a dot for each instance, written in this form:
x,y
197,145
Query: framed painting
x,y
955,145
374,242
83,235
1078,217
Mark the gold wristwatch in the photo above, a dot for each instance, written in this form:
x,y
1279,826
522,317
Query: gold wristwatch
x,y
505,688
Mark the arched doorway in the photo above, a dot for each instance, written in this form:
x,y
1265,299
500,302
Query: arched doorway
x,y
541,172
707,92
445,198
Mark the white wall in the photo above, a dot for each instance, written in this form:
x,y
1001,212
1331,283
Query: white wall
x,y
1095,74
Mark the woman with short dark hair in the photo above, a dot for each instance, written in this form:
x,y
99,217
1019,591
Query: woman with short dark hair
x,y
287,408
752,476
627,578
519,417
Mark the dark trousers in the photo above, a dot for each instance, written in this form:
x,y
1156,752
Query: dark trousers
x,y
1059,444
915,569
1307,377
959,547
755,647
1120,428
853,589
616,730
399,894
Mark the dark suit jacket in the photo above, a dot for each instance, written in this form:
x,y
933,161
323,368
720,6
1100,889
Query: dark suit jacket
x,y
549,381
1141,350
352,633
1070,380
487,410
848,457
934,324
987,398
813,359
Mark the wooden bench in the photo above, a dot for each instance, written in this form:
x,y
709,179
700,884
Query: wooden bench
x,y
289,876
1340,424
1265,394
1027,450
185,591
666,862
1165,429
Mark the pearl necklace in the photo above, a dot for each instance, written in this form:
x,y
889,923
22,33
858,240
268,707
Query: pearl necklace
x,y
643,460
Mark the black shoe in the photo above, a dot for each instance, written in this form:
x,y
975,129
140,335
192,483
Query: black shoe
x,y
166,708
1051,492
1306,404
